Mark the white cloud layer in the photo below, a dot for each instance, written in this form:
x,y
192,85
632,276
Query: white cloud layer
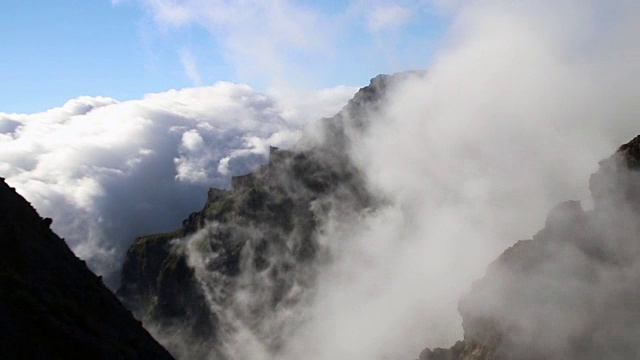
x,y
107,171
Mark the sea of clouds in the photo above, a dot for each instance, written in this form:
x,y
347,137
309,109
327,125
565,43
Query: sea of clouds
x,y
108,171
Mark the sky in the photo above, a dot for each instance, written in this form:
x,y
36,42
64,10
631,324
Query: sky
x,y
127,48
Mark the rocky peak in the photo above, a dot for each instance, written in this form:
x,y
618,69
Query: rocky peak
x,y
631,153
248,258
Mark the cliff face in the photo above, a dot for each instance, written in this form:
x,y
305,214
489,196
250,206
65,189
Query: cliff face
x,y
243,263
572,291
51,305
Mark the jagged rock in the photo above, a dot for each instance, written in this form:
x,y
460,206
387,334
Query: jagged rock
x,y
570,293
51,305
615,184
264,224
250,252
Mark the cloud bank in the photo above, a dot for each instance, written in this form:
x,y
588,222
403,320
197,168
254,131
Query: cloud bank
x,y
107,171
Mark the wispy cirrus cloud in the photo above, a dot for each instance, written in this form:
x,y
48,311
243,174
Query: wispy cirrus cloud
x,y
190,66
299,44
389,17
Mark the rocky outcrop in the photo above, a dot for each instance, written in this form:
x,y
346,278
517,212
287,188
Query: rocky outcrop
x,y
572,291
264,227
243,262
51,305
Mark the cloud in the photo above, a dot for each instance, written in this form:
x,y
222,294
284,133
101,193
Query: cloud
x,y
107,171
190,66
389,17
300,44
278,31
303,106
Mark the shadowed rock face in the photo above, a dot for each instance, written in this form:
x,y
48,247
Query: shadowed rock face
x,y
572,291
246,260
51,305
258,238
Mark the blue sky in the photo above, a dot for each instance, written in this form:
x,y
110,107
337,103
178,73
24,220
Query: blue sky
x,y
52,51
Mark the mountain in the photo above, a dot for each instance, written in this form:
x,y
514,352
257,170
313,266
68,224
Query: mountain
x,y
572,291
243,263
51,305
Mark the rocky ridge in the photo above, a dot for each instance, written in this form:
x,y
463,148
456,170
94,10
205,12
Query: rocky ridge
x,y
243,262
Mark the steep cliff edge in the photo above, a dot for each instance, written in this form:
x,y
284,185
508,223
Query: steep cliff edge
x,y
51,305
572,291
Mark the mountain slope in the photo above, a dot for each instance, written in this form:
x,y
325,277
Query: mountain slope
x,y
51,305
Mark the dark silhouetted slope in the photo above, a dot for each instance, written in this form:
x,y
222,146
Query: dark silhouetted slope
x,y
51,305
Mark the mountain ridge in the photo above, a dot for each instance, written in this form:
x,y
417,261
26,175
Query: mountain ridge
x,y
265,227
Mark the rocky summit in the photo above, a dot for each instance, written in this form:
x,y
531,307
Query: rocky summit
x,y
572,291
51,305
